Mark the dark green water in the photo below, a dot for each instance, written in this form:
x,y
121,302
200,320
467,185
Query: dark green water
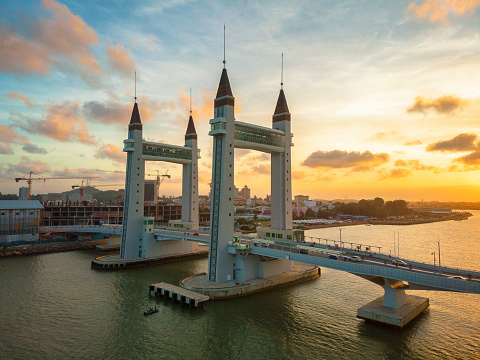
x,y
55,307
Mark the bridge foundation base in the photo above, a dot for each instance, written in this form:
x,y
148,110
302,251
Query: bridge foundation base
x,y
235,288
113,262
376,312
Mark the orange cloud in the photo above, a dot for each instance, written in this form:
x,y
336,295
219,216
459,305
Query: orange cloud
x,y
20,56
25,165
343,159
114,112
62,123
111,151
396,174
260,169
381,136
8,135
414,142
471,159
63,40
414,164
6,149
443,105
438,10
20,96
120,59
461,142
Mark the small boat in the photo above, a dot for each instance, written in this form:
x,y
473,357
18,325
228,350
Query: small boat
x,y
150,311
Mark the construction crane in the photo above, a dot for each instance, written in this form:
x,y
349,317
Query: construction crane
x,y
82,188
160,178
29,180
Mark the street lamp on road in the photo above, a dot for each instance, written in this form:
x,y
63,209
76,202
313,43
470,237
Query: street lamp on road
x,y
434,263
341,248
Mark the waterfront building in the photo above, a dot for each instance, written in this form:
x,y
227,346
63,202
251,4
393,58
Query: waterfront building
x,y
19,220
300,199
23,193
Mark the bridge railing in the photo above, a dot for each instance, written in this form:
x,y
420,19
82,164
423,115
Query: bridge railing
x,y
380,270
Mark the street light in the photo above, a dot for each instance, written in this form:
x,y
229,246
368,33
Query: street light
x,y
434,263
341,248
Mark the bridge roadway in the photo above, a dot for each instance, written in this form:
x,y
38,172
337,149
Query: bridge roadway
x,y
374,266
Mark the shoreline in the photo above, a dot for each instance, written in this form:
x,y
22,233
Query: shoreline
x,y
49,248
386,222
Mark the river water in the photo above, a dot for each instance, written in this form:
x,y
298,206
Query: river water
x,y
55,307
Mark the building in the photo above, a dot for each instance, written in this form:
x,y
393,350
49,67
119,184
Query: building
x,y
63,215
23,193
150,190
19,220
300,199
245,193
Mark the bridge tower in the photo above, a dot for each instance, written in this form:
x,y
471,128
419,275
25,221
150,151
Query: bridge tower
x,y
281,170
133,207
220,266
190,177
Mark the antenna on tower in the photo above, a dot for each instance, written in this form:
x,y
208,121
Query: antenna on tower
x,y
190,101
281,83
135,87
224,61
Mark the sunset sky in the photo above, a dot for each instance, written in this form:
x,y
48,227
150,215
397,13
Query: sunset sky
x,y
384,95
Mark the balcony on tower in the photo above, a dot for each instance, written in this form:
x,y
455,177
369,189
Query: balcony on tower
x,y
218,126
128,145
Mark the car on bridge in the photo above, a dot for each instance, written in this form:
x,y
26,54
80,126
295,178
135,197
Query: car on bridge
x,y
457,277
333,256
355,258
398,262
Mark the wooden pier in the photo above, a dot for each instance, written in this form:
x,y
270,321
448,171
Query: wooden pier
x,y
176,293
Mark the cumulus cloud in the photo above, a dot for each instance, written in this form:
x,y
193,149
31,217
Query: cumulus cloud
x,y
396,174
414,165
9,135
6,149
260,169
33,149
120,59
412,143
442,105
111,151
20,96
439,10
20,56
25,165
470,159
355,160
461,142
60,39
201,112
107,112
63,123
382,136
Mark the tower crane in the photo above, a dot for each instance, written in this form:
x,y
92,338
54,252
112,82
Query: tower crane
x,y
29,180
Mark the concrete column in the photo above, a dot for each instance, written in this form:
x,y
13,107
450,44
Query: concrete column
x,y
395,295
220,266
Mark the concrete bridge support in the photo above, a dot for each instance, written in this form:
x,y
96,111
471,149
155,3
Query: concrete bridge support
x,y
395,309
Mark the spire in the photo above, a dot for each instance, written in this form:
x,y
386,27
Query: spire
x,y
191,133
282,106
190,127
135,122
224,85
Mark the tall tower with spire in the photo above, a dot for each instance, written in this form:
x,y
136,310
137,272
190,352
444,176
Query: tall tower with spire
x,y
281,169
190,177
134,189
220,267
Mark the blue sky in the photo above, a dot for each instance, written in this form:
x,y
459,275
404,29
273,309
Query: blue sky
x,y
372,86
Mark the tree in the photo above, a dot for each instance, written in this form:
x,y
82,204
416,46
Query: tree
x,y
309,213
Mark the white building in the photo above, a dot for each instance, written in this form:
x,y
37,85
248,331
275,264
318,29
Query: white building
x,y
19,220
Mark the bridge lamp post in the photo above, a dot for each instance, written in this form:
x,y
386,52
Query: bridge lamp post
x,y
434,263
341,248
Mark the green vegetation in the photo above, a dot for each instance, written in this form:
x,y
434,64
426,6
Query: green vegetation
x,y
377,208
8,196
